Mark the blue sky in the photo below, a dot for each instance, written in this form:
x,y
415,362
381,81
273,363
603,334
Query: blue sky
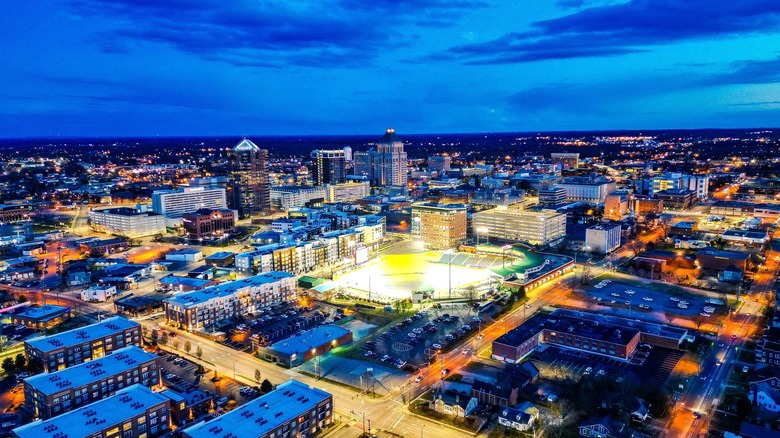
x,y
216,67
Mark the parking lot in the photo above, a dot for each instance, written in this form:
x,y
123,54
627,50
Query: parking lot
x,y
649,365
271,325
179,374
615,294
16,333
417,338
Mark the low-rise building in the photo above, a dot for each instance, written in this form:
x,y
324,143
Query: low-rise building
x,y
221,259
198,310
684,228
97,248
439,226
188,255
15,213
644,205
515,419
100,293
293,409
746,237
347,192
301,348
616,205
83,344
677,199
286,197
720,260
50,394
41,317
135,411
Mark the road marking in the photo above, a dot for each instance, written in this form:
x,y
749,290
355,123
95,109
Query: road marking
x,y
398,421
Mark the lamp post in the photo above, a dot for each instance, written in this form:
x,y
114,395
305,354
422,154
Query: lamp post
x,y
234,368
421,430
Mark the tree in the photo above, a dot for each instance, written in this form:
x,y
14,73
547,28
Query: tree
x,y
669,315
176,343
266,386
698,320
636,246
35,365
22,298
154,336
8,365
470,293
20,361
163,339
199,352
187,347
258,376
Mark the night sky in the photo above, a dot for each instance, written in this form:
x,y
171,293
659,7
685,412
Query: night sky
x,y
230,67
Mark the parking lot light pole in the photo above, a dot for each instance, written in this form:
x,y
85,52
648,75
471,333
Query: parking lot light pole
x,y
421,430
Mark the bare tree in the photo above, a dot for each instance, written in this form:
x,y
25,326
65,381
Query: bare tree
x,y
187,347
199,352
669,315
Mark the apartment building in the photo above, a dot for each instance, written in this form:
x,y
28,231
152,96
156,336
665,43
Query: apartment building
x,y
135,411
293,409
51,394
197,310
286,197
83,344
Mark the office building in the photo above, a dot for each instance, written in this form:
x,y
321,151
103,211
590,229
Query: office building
x,y
51,394
645,205
175,203
127,222
602,239
79,345
677,199
363,165
439,163
293,409
567,161
591,189
553,195
208,224
98,293
439,226
249,170
699,184
616,205
537,227
204,308
347,153
329,167
210,182
135,412
98,247
347,192
286,197
386,165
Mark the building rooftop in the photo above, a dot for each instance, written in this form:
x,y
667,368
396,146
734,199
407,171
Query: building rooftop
x,y
114,241
724,254
82,374
174,280
750,234
226,289
220,255
245,145
125,211
263,414
562,323
310,339
94,418
44,312
185,251
83,334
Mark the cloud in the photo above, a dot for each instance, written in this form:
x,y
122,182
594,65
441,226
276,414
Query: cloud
x,y
616,29
329,33
765,71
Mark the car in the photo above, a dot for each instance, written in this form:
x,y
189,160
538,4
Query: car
x,y
718,363
418,379
647,298
465,351
588,370
734,336
674,299
445,371
615,294
223,401
748,315
613,302
479,338
436,346
745,369
527,306
696,415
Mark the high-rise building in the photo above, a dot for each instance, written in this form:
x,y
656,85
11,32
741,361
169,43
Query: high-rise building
x,y
510,223
439,226
249,170
328,166
390,167
566,160
347,153
364,164
553,195
175,203
439,163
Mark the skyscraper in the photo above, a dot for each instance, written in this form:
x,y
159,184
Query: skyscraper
x,y
249,170
328,167
390,161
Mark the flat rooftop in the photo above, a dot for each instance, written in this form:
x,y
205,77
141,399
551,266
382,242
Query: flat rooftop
x,y
94,418
174,280
649,328
186,251
564,323
227,289
220,255
87,372
44,312
261,415
310,339
83,334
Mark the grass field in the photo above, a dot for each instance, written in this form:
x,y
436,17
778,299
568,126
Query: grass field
x,y
395,276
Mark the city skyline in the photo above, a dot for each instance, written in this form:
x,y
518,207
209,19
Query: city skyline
x,y
83,68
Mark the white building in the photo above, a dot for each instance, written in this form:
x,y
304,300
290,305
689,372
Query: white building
x,y
537,227
347,192
602,239
127,222
185,255
677,180
286,197
588,189
439,163
188,200
100,293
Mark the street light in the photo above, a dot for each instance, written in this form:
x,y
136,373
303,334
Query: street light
x,y
421,430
